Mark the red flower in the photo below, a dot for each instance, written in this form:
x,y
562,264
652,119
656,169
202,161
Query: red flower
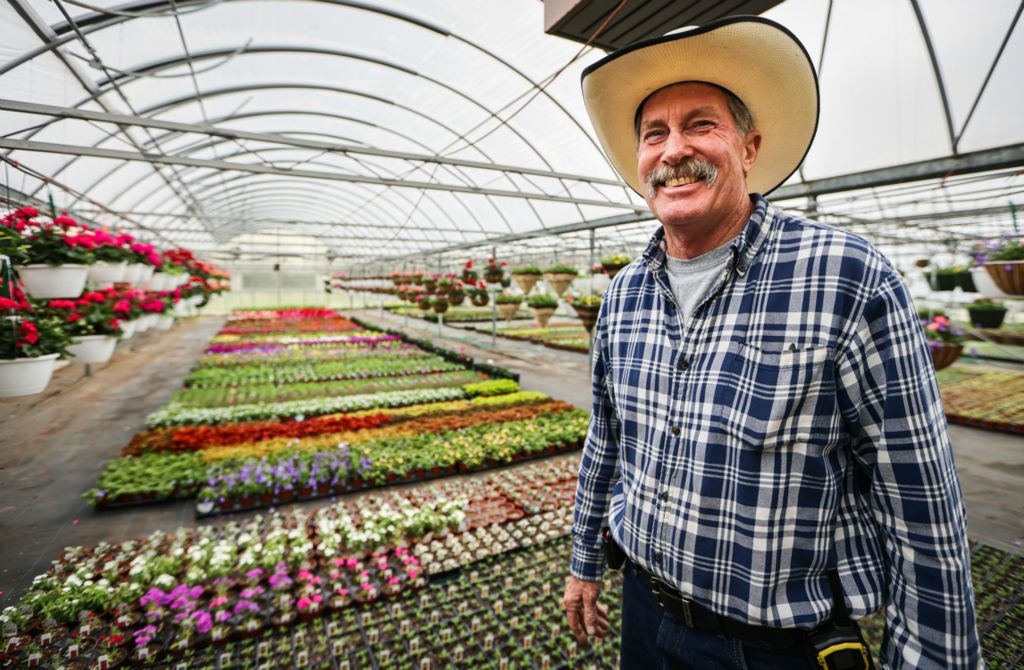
x,y
94,296
30,332
7,303
74,316
62,304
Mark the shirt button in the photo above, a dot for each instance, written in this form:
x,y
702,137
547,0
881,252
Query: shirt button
x,y
664,496
675,430
657,558
683,365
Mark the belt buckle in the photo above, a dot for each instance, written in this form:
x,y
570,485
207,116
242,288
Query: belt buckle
x,y
687,615
661,589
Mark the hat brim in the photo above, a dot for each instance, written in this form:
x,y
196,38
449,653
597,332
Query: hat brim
x,y
760,61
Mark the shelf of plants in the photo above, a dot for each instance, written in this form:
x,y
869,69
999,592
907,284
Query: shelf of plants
x,y
568,337
302,404
984,398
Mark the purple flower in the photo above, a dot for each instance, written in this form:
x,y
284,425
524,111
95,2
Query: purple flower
x,y
204,622
255,573
222,615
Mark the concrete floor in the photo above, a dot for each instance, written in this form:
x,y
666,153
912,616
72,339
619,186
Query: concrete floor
x,y
54,445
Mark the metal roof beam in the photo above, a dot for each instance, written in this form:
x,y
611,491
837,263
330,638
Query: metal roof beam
x,y
273,138
936,168
156,159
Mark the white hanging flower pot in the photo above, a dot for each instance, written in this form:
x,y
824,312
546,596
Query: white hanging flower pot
x,y
92,349
146,321
164,322
132,273
53,281
146,273
103,275
25,376
128,328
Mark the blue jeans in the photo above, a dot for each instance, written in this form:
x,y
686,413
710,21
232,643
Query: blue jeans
x,y
653,639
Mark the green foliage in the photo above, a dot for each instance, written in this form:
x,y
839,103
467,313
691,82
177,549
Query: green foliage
x,y
542,300
1012,251
526,270
616,260
505,299
987,306
491,387
560,269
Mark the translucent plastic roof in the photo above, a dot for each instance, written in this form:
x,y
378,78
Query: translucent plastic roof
x,y
369,129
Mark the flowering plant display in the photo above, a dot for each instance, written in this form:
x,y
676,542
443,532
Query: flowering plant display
x,y
112,248
469,275
91,314
940,330
542,300
508,299
561,269
61,242
26,332
584,299
616,260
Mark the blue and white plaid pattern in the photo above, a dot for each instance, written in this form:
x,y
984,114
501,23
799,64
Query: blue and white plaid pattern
x,y
793,423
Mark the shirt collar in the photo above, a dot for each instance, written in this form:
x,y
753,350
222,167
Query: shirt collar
x,y
744,246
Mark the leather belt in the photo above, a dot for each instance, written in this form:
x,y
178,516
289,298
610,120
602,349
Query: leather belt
x,y
699,617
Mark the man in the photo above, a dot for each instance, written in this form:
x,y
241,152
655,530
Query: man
x,y
768,445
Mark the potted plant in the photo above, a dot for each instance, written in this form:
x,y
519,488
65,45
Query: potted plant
x,y
54,261
469,275
423,302
543,306
1006,267
987,313
944,279
112,256
478,295
614,263
91,324
494,271
508,305
945,340
559,277
29,346
587,307
440,305
526,277
456,294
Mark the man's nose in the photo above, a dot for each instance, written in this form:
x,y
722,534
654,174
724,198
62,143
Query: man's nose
x,y
676,148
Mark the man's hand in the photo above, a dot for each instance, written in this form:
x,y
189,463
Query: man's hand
x,y
586,616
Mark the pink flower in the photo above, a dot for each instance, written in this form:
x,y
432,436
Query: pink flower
x,y
222,615
393,581
303,603
218,601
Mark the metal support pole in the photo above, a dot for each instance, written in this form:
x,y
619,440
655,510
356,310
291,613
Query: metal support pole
x,y
494,308
590,333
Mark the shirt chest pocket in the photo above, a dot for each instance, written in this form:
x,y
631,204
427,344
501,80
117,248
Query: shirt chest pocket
x,y
770,399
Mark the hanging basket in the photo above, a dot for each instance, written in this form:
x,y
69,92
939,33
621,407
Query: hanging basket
x,y
559,281
945,355
480,299
92,349
526,282
543,315
987,318
1008,276
613,270
494,276
104,275
25,376
439,307
53,281
456,298
508,310
587,315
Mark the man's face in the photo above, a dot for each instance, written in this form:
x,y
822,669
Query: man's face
x,y
699,162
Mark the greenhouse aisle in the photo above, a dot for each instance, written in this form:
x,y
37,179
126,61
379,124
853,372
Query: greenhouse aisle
x,y
41,510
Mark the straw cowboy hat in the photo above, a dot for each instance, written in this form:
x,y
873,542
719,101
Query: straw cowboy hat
x,y
760,61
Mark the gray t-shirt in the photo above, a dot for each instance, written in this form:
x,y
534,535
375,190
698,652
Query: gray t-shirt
x,y
693,278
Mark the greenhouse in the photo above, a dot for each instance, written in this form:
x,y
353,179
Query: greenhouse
x,y
333,334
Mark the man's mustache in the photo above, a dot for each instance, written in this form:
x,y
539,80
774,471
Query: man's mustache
x,y
698,169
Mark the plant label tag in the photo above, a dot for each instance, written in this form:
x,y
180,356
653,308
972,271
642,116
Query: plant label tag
x,y
524,597
545,662
225,659
425,600
301,659
485,590
463,606
143,653
546,588
414,645
514,622
300,639
489,641
332,629
528,641
555,630
474,625
263,649
373,635
33,660
124,620
573,649
510,582
404,627
459,651
499,607
85,629
367,618
385,656
503,663
46,638
426,663
474,576
538,613
344,665
533,574
498,570
265,665
12,644
181,666
451,590
446,635
435,616
73,651
338,648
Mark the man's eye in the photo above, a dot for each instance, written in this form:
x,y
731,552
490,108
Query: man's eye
x,y
654,135
702,124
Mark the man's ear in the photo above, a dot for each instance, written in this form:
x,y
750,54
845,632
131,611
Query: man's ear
x,y
751,145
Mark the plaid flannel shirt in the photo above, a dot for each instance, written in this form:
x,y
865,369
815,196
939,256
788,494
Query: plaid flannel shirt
x,y
792,424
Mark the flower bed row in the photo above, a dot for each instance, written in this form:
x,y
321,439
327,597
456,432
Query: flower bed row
x,y
170,595
986,399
